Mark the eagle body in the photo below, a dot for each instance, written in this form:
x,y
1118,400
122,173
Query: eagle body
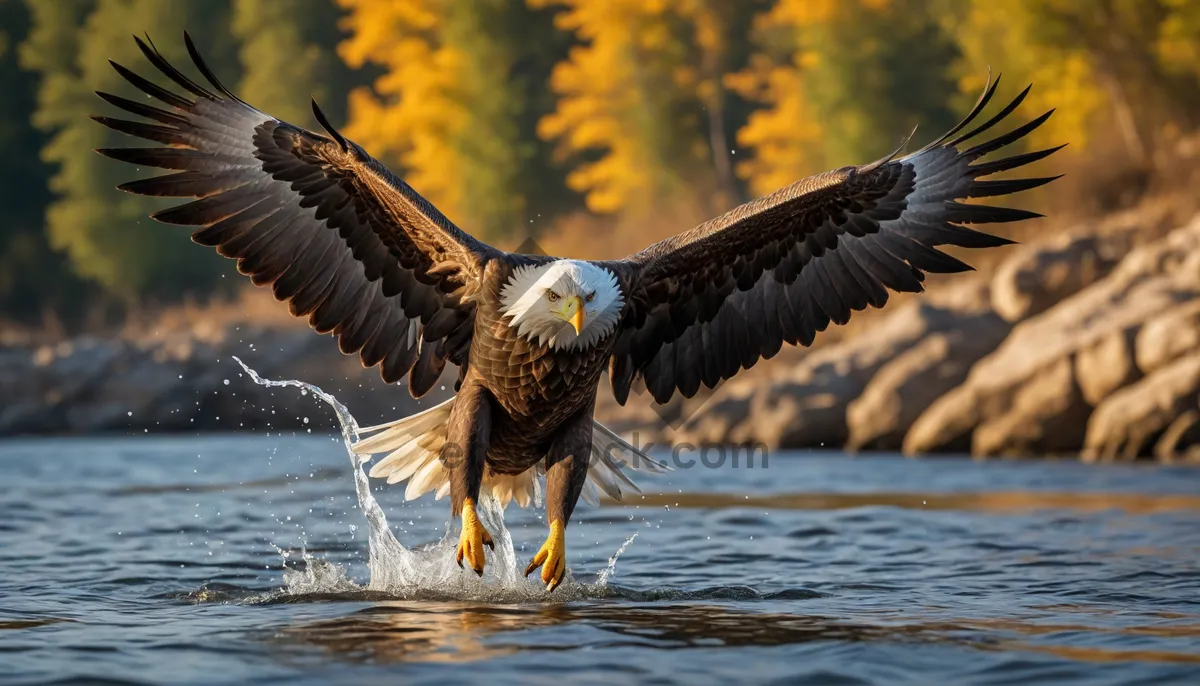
x,y
533,388
360,254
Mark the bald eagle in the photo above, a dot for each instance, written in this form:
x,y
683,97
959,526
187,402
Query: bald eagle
x,y
363,256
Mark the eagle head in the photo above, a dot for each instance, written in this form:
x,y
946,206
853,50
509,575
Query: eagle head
x,y
564,304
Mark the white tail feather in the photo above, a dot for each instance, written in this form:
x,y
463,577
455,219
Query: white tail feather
x,y
413,445
399,432
428,478
402,462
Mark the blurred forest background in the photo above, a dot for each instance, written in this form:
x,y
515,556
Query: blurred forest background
x,y
592,126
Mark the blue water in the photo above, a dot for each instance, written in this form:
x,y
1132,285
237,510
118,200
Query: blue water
x,y
162,560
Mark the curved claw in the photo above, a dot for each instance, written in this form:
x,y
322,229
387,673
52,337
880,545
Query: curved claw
x,y
472,539
552,557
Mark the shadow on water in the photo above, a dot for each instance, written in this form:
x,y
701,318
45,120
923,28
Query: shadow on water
x,y
441,626
409,631
398,631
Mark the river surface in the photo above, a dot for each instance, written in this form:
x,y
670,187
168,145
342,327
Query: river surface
x,y
249,558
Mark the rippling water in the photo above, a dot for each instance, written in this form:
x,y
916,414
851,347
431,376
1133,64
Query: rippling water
x,y
227,559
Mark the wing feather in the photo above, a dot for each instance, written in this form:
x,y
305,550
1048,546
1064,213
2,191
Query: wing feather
x,y
346,243
811,254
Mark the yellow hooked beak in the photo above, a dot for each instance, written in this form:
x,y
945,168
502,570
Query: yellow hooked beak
x,y
574,313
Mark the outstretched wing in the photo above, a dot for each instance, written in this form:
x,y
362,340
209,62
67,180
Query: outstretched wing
x,y
713,300
345,242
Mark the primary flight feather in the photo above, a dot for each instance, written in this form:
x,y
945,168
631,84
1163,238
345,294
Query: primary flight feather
x,y
363,256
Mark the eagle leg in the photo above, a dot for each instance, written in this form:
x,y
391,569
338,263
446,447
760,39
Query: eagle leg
x,y
472,539
566,472
552,556
468,433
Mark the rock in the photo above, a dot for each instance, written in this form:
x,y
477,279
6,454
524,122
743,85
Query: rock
x,y
947,425
1181,438
187,382
904,387
1106,365
1093,326
1127,423
1047,416
1168,337
39,384
1040,275
807,407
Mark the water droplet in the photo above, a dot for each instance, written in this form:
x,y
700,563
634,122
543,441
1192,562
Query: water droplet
x,y
226,382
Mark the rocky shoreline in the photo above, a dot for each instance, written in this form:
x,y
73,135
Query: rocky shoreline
x,y
183,382
1085,344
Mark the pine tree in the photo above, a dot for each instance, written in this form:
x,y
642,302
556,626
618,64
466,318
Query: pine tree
x,y
106,234
288,54
33,278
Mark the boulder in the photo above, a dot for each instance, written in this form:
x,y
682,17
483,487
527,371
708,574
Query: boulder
x,y
908,384
1047,415
187,382
807,405
1040,275
1092,328
1181,438
1126,425
40,383
1167,337
1106,365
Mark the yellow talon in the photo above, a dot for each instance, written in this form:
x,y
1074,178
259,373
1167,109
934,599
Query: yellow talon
x,y
473,538
552,557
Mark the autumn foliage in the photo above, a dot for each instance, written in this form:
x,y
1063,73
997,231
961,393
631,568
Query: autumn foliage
x,y
568,120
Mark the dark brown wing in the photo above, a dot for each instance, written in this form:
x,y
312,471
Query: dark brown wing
x,y
346,243
713,300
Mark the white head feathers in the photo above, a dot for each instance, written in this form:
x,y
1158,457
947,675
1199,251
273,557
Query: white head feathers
x,y
545,303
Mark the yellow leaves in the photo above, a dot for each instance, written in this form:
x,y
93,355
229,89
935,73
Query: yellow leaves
x,y
804,13
378,28
1069,85
619,96
1178,44
653,37
1063,77
610,182
785,136
414,111
638,98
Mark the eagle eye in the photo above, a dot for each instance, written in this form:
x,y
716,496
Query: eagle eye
x,y
552,296
591,296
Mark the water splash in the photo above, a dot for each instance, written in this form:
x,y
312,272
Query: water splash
x,y
387,556
432,571
315,576
603,577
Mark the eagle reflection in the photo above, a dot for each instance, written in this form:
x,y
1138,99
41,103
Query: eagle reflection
x,y
397,631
